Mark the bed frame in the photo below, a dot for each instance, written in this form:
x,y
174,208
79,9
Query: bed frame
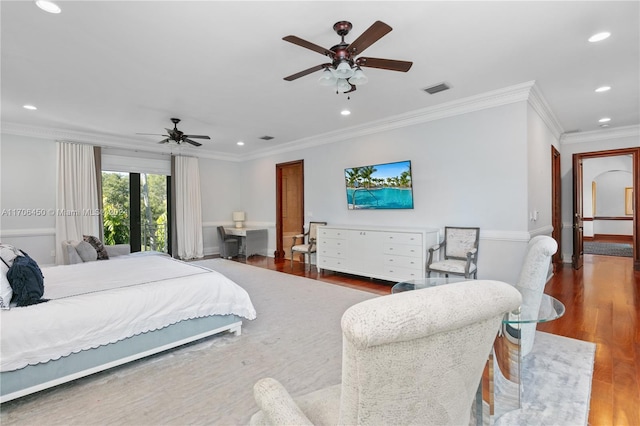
x,y
34,378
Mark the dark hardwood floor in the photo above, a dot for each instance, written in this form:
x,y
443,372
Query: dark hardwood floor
x,y
602,303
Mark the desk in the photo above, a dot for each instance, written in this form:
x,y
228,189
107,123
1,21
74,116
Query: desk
x,y
251,240
500,390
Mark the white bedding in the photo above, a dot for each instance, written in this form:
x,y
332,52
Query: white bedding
x,y
97,303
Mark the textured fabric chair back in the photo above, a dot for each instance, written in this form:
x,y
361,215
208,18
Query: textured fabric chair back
x,y
531,283
221,234
459,241
313,229
417,357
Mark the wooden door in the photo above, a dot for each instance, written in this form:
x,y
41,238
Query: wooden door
x,y
289,206
578,225
556,206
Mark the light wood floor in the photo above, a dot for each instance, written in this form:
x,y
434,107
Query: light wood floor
x,y
602,303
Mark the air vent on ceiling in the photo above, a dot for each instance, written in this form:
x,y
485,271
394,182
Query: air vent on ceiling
x,y
437,88
572,131
266,138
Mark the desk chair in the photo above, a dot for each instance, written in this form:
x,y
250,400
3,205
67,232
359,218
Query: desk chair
x,y
228,245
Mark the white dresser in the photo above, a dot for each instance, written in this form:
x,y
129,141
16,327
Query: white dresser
x,y
393,254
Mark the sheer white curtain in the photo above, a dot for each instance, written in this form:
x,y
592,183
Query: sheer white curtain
x,y
188,208
77,194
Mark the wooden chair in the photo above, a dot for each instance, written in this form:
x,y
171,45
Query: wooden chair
x,y
308,247
460,252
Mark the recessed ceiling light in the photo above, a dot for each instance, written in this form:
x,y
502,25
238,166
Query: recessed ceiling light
x,y
604,125
599,37
30,107
345,112
604,120
240,143
48,6
603,89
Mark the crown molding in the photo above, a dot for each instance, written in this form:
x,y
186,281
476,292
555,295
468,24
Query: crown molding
x,y
601,135
540,105
505,96
103,141
522,92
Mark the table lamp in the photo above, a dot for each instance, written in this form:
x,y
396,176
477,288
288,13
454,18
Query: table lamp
x,y
238,218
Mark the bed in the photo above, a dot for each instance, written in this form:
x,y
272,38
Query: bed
x,y
106,313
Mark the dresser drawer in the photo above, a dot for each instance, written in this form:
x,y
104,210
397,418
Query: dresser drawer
x,y
402,250
331,263
332,233
403,274
331,244
403,238
403,261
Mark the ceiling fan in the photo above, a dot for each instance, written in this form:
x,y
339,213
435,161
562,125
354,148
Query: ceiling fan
x,y
175,135
344,69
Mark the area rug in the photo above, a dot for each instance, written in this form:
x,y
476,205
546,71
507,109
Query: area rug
x,y
295,338
608,249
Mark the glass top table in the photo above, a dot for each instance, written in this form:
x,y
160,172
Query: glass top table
x,y
506,353
550,307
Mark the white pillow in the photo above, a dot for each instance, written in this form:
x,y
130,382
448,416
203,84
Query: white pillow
x,y
86,251
8,254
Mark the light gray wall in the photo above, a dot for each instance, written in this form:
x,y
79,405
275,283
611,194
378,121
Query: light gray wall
x,y
468,170
219,189
539,142
28,195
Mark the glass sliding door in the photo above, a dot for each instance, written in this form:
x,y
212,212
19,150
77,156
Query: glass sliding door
x,y
135,210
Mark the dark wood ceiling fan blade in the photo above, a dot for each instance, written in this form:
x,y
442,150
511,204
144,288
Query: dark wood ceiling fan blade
x,y
197,136
164,140
385,64
308,45
307,71
375,32
194,143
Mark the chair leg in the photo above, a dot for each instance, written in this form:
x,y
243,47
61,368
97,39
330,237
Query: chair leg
x,y
292,260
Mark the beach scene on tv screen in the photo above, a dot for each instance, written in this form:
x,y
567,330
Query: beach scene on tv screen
x,y
380,186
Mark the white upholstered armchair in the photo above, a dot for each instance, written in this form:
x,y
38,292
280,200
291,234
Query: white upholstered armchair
x,y
459,252
415,357
531,283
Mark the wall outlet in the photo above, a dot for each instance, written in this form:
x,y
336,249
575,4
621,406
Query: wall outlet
x,y
53,253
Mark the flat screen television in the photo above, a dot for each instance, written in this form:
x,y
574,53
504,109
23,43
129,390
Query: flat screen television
x,y
379,186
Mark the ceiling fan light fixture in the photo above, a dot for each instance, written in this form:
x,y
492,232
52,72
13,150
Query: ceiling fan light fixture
x,y
358,78
344,70
343,85
327,78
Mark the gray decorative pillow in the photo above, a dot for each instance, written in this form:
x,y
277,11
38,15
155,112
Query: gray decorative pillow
x,y
86,251
97,244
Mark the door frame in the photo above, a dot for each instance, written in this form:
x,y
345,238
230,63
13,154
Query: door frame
x,y
556,205
279,253
635,155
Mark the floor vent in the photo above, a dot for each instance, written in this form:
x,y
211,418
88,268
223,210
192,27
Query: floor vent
x,y
266,138
437,88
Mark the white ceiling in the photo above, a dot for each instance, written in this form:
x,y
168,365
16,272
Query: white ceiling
x,y
115,68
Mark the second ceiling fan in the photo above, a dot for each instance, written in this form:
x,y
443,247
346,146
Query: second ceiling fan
x,y
344,70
